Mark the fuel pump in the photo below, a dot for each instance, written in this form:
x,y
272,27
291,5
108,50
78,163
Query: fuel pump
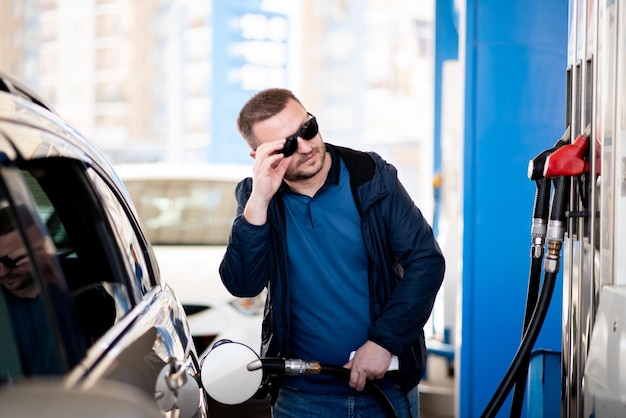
x,y
550,169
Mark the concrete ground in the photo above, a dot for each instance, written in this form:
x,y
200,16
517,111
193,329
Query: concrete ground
x,y
437,391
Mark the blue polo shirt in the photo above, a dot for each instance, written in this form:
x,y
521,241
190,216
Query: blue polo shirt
x,y
328,278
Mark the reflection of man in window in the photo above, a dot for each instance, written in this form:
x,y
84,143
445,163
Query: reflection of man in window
x,y
24,302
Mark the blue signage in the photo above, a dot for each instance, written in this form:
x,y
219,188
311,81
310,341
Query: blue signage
x,y
249,54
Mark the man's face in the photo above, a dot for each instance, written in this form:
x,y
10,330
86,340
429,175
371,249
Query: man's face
x,y
15,272
308,160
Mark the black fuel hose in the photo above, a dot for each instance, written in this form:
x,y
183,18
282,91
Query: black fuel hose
x,y
531,302
555,234
540,218
370,386
298,367
541,209
527,344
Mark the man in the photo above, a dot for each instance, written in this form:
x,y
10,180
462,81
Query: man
x,y
350,263
22,297
29,310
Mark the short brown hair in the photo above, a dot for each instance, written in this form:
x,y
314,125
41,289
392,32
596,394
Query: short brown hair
x,y
8,221
263,105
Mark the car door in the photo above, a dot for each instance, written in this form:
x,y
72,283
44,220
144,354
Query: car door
x,y
126,326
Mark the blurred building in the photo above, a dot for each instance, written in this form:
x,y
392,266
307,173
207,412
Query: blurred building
x,y
20,39
367,74
114,68
152,80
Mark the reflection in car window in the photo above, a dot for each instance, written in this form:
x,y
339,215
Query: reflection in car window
x,y
126,237
27,343
184,212
68,208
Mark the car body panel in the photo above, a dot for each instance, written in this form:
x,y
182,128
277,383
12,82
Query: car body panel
x,y
193,270
83,238
107,400
169,199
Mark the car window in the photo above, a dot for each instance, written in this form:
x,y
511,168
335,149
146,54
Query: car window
x,y
82,236
39,329
184,212
126,236
27,340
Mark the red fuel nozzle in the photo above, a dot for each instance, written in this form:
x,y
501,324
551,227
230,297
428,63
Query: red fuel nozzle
x,y
567,160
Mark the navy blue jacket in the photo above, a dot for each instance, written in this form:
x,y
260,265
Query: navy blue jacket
x,y
406,266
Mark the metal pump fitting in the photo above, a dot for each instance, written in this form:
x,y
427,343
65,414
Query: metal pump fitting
x,y
551,264
288,367
537,247
556,231
299,367
538,227
538,233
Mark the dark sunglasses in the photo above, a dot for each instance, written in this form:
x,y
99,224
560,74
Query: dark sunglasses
x,y
11,263
307,131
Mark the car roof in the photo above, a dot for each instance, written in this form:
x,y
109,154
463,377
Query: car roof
x,y
11,85
174,171
22,110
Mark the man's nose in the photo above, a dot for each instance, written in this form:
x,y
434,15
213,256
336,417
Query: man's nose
x,y
304,146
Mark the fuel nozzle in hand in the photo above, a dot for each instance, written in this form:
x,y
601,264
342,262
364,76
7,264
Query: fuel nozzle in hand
x,y
286,367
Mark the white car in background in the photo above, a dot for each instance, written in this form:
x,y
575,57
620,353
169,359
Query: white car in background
x,y
187,211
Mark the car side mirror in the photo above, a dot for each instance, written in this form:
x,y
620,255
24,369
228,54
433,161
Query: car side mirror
x,y
226,375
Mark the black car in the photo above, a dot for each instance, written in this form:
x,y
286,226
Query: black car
x,y
81,299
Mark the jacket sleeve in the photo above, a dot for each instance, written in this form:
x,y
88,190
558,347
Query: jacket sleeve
x,y
417,266
244,268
